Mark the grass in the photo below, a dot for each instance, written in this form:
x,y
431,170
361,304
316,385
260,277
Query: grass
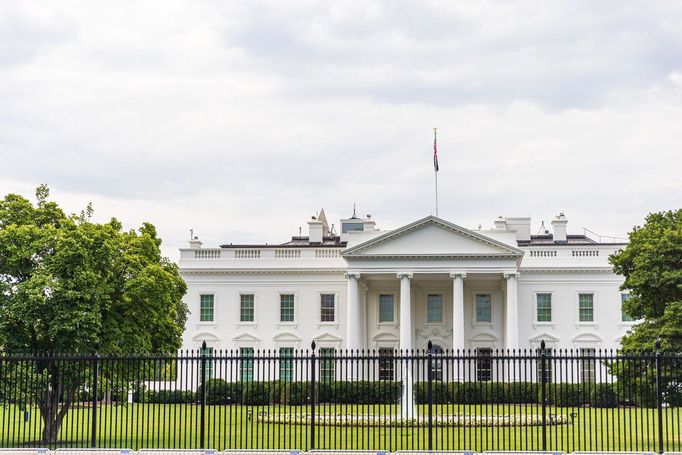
x,y
137,426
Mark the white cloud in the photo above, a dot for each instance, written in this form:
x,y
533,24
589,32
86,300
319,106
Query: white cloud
x,y
242,119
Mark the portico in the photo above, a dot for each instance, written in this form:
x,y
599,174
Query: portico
x,y
432,280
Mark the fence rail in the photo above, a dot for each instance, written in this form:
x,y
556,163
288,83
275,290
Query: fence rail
x,y
533,400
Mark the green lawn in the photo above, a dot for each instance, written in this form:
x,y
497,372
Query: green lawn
x,y
177,426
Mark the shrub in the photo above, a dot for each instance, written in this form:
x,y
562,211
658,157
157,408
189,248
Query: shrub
x,y
440,393
565,394
164,396
292,393
602,395
255,393
219,391
360,392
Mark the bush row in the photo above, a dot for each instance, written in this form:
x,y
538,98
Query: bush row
x,y
220,392
477,392
604,395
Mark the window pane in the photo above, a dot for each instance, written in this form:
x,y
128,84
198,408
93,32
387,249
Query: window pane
x,y
327,303
208,352
483,308
544,308
586,307
286,307
483,364
286,364
326,364
385,308
246,309
548,365
246,364
588,365
623,315
206,307
386,364
434,308
437,363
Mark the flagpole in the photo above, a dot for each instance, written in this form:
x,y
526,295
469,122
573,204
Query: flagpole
x,y
435,167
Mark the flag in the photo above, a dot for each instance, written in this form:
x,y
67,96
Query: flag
x,y
435,152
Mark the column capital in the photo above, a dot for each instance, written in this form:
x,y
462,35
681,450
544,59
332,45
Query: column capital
x,y
512,275
455,275
402,275
352,275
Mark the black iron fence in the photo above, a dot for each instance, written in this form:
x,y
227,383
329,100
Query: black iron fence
x,y
544,399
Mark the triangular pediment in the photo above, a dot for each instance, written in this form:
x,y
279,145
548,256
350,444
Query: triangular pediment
x,y
432,237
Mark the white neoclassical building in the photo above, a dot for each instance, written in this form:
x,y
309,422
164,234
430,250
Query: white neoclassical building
x,y
430,279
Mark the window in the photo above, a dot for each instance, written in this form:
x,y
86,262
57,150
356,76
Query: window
x,y
208,352
327,308
386,308
286,307
246,364
246,308
349,226
326,364
436,363
624,317
484,308
548,365
544,308
286,364
206,307
586,307
588,364
434,308
386,364
483,364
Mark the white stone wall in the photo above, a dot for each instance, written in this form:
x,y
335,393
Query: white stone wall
x,y
266,332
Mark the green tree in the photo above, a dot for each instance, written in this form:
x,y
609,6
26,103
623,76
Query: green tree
x,y
70,285
652,266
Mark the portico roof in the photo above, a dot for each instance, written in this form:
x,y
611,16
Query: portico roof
x,y
431,238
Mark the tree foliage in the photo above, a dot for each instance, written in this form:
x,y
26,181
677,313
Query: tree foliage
x,y
652,266
70,285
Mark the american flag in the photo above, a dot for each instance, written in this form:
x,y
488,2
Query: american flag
x,y
435,152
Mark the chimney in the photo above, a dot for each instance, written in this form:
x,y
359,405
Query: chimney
x,y
315,230
500,224
559,228
368,223
195,243
521,225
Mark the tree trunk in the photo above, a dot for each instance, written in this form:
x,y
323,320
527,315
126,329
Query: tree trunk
x,y
53,412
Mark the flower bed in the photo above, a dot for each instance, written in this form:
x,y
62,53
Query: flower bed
x,y
509,420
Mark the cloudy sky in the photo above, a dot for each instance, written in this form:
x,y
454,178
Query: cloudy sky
x,y
241,119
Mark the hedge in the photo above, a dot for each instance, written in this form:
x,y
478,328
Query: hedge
x,y
165,397
219,391
477,392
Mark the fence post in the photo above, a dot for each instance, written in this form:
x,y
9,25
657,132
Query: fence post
x,y
95,374
659,395
202,430
543,386
312,396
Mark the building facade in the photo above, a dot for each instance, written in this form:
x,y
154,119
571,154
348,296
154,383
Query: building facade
x,y
430,280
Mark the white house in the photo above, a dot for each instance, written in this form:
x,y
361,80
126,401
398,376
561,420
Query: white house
x,y
431,279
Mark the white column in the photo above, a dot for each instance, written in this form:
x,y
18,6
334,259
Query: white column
x,y
407,401
405,311
354,319
458,309
512,312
